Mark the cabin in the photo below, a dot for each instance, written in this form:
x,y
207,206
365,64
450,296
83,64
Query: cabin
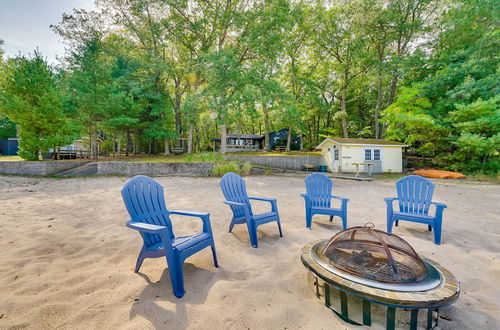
x,y
346,155
279,139
240,142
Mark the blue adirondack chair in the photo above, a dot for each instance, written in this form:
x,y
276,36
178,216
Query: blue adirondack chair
x,y
235,192
318,199
414,199
145,202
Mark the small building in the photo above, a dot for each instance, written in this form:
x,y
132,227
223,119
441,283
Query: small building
x,y
279,139
341,155
241,142
9,147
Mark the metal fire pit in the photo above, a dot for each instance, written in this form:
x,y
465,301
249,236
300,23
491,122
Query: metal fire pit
x,y
353,282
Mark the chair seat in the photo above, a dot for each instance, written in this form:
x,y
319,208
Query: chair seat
x,y
263,216
412,216
326,210
182,243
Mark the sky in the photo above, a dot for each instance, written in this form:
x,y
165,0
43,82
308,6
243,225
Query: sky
x,y
24,25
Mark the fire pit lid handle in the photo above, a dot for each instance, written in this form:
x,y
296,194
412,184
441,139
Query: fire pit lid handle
x,y
369,225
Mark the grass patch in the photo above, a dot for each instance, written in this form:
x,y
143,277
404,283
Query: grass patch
x,y
276,153
10,159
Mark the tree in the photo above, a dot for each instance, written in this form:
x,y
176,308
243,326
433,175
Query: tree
x,y
30,96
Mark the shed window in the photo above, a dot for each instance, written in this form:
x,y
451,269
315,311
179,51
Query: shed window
x,y
372,154
368,154
336,154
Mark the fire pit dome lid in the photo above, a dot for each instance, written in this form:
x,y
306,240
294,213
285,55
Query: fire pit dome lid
x,y
375,255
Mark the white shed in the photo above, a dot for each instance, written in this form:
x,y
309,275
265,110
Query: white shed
x,y
342,154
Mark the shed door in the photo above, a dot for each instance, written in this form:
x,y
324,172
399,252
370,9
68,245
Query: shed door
x,y
335,151
374,156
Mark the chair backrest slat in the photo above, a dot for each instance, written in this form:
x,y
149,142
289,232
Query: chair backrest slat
x,y
234,189
319,189
414,194
145,202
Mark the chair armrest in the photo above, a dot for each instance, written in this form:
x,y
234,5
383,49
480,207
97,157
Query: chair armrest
x,y
204,216
439,205
304,195
146,227
263,199
274,208
390,199
190,213
340,198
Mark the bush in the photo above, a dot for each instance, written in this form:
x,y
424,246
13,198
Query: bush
x,y
221,169
238,168
245,168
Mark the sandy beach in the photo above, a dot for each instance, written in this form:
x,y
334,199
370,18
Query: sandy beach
x,y
67,259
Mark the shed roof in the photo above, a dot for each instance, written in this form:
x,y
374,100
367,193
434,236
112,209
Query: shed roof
x,y
356,141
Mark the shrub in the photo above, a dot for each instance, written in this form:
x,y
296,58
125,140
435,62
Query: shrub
x,y
238,168
221,169
245,168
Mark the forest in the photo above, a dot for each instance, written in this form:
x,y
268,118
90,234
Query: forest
x,y
138,75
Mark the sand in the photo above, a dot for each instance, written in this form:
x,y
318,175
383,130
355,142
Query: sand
x,y
67,259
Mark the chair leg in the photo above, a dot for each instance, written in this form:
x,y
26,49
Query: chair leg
x,y
437,232
331,218
177,277
231,225
214,254
140,259
344,221
252,232
308,219
279,227
389,224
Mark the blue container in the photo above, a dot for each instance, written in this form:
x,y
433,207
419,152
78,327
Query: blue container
x,y
322,168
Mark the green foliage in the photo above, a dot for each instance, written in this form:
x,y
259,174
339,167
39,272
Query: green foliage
x,y
212,157
31,97
194,69
239,168
7,128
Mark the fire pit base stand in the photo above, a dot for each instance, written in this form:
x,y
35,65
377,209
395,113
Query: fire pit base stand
x,y
329,294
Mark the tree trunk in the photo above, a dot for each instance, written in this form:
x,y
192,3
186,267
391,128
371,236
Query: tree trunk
x,y
167,149
119,146
113,146
190,140
392,93
378,107
343,110
289,138
93,141
177,110
266,128
223,139
127,150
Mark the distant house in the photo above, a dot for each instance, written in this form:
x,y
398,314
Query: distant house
x,y
341,155
240,142
9,147
279,138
